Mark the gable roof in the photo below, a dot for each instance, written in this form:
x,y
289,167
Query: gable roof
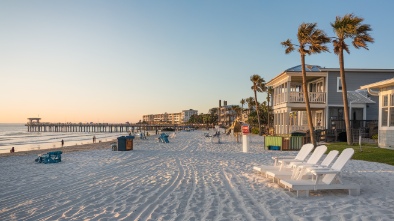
x,y
359,97
379,84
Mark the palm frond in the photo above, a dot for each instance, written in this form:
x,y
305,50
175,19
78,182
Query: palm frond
x,y
312,40
350,26
346,48
258,83
288,45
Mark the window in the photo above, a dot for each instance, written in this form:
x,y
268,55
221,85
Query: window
x,y
391,117
385,101
339,84
384,116
304,118
392,100
387,111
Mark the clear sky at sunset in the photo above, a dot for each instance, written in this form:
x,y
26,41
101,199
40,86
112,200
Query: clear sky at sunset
x,y
114,61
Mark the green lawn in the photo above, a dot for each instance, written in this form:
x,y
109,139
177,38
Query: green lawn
x,y
370,152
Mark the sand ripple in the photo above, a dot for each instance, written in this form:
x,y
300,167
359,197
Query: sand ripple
x,y
190,178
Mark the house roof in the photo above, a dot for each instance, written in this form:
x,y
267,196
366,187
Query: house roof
x,y
321,70
379,84
317,68
296,70
359,97
308,68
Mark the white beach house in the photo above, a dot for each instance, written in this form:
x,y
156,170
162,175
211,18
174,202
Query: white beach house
x,y
385,90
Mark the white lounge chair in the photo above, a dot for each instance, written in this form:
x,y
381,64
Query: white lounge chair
x,y
302,154
305,168
293,172
326,179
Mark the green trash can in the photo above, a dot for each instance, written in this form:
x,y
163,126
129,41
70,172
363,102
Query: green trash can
x,y
298,133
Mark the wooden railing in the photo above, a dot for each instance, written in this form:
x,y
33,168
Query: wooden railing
x,y
298,97
354,124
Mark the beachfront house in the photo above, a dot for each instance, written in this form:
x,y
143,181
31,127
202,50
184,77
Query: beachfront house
x,y
325,96
385,91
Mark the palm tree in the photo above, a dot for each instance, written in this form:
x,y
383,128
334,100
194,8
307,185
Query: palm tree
x,y
258,86
242,108
349,26
237,111
311,41
250,101
270,91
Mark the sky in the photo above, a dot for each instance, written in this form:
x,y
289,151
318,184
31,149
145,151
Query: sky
x,y
115,61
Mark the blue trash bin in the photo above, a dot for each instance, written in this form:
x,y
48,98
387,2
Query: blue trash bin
x,y
122,143
274,147
125,143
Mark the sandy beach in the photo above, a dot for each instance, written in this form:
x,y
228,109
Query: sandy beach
x,y
190,178
65,149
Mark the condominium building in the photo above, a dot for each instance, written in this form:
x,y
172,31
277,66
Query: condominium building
x,y
169,118
186,114
226,115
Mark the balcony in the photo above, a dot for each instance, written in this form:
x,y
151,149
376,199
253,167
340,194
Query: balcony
x,y
298,97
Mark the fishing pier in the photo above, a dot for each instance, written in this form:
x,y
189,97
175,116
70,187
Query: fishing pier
x,y
34,125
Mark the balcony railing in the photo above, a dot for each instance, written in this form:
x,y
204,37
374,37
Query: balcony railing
x,y
298,97
354,124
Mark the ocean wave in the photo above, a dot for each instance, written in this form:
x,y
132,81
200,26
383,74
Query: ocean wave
x,y
20,138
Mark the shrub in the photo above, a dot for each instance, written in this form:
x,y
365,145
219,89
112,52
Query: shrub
x,y
255,130
375,136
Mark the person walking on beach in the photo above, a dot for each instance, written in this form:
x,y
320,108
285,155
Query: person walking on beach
x,y
62,142
12,150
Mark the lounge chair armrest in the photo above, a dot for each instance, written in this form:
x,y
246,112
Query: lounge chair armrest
x,y
283,157
290,161
303,165
324,171
313,167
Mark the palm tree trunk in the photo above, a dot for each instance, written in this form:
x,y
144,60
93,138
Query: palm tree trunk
x,y
242,112
268,110
257,111
268,117
306,98
344,98
271,108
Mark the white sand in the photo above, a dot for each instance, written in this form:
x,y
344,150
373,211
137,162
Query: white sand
x,y
189,178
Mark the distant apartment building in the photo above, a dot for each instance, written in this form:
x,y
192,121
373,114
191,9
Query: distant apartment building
x,y
186,114
226,115
169,118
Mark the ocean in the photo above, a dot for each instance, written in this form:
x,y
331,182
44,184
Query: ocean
x,y
17,136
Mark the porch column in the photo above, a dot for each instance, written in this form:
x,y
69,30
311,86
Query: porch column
x,y
288,92
276,122
281,123
287,120
326,117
